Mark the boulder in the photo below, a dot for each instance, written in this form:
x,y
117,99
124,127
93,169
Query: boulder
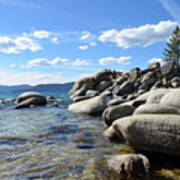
x,y
115,112
149,79
110,133
31,102
130,165
89,82
158,84
103,85
92,93
104,75
155,97
93,106
27,95
175,82
168,68
154,66
156,109
80,92
172,98
120,80
134,74
145,96
80,98
126,88
155,133
116,101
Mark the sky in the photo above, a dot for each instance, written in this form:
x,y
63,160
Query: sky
x,y
59,41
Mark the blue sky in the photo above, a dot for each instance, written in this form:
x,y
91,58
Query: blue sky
x,y
60,41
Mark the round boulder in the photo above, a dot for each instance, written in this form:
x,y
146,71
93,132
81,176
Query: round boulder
x,y
31,102
172,98
93,106
155,133
27,95
156,109
115,112
30,99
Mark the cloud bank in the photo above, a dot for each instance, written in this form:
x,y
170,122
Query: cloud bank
x,y
140,36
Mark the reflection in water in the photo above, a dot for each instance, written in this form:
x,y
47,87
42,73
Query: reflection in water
x,y
52,143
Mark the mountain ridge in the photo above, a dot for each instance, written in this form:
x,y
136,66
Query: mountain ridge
x,y
40,87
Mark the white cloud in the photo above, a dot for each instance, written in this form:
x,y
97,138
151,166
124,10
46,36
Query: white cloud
x,y
56,62
41,34
155,60
43,62
80,62
13,65
16,45
93,44
140,36
83,47
172,7
113,60
38,62
85,35
55,40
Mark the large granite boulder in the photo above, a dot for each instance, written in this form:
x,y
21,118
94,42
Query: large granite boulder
x,y
155,133
168,68
172,98
80,98
156,109
148,94
134,74
103,85
120,80
115,112
126,88
80,92
28,99
116,101
88,82
93,106
148,80
156,96
175,82
104,75
129,165
92,93
154,66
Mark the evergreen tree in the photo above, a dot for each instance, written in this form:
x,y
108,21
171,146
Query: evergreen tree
x,y
172,52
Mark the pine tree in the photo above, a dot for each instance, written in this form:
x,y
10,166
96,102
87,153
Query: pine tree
x,y
172,52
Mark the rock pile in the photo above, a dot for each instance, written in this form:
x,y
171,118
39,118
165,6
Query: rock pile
x,y
141,107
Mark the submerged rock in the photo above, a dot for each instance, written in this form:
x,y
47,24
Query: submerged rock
x,y
129,165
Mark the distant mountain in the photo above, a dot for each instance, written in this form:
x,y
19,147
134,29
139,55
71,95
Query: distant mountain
x,y
41,88
14,88
53,87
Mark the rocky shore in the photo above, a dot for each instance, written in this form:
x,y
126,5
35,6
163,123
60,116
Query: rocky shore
x,y
140,107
